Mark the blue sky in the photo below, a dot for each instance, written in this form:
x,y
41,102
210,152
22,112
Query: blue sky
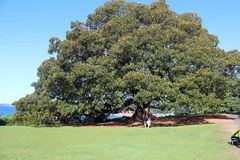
x,y
27,25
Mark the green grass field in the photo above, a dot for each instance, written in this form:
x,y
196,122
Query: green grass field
x,y
201,142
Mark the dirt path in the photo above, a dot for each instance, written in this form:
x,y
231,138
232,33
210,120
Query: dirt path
x,y
234,123
230,124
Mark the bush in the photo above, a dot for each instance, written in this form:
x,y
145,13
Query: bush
x,y
2,122
5,120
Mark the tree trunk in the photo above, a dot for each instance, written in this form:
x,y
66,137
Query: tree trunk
x,y
138,113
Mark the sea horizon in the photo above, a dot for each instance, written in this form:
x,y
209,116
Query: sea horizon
x,y
6,104
7,109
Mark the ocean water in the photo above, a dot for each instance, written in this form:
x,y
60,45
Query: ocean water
x,y
7,109
113,117
10,110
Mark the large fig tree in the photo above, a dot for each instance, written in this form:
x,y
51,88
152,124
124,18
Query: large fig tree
x,y
131,55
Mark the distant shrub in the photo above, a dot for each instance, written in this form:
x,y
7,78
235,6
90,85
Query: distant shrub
x,y
2,122
5,120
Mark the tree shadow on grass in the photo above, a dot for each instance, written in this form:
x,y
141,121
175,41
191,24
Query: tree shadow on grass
x,y
187,120
156,122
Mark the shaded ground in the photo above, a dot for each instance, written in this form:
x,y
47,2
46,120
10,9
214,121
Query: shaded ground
x,y
228,121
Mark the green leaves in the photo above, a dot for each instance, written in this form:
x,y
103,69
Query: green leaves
x,y
103,14
136,56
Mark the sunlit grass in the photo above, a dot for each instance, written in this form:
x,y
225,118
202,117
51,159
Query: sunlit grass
x,y
74,143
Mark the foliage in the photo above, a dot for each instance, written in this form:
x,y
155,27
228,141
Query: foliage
x,y
130,55
6,120
2,122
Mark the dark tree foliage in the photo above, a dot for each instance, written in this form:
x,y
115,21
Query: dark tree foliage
x,y
130,55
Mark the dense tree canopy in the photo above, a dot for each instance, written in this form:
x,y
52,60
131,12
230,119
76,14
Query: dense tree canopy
x,y
133,56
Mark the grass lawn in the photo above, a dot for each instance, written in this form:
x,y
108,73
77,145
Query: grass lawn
x,y
200,142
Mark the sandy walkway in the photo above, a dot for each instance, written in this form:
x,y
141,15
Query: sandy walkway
x,y
230,124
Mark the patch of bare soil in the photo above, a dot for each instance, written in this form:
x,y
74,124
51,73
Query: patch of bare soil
x,y
228,125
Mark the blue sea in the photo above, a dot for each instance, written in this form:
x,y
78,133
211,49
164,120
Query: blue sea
x,y
7,109
10,110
